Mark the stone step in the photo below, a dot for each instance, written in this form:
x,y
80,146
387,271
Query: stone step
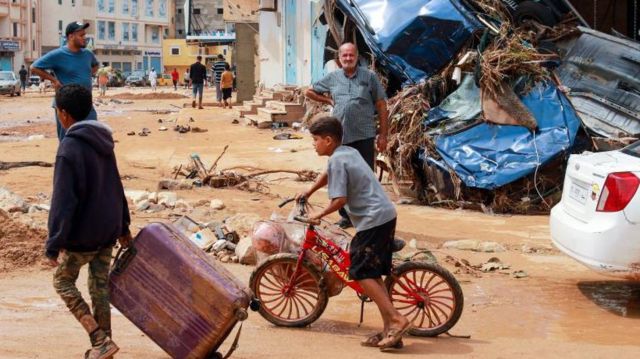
x,y
285,106
280,116
259,99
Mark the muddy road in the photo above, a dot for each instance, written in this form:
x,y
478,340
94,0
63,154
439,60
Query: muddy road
x,y
559,309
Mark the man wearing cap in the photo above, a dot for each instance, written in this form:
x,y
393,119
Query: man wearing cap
x,y
72,63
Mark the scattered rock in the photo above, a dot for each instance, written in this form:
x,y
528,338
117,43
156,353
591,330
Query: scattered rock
x,y
216,204
242,223
491,247
219,245
11,202
181,203
520,274
234,259
245,251
172,184
224,258
493,264
155,208
153,197
473,245
200,203
136,195
35,137
142,205
162,128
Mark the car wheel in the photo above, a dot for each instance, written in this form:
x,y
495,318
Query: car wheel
x,y
530,10
18,93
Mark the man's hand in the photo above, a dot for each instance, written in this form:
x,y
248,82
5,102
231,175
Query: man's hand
x,y
315,219
51,262
381,143
125,241
301,195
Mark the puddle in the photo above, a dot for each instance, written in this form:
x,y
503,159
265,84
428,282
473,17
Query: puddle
x,y
620,298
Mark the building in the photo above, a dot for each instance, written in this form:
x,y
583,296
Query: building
x,y
292,43
241,18
125,34
206,17
19,33
180,54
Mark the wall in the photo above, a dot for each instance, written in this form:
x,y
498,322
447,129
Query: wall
x,y
247,37
271,50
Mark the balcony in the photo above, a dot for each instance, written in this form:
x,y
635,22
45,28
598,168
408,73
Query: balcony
x,y
4,8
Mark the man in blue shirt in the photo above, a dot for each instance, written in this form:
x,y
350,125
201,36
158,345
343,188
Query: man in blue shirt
x,y
70,64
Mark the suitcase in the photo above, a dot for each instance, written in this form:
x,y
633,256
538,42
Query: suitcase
x,y
176,293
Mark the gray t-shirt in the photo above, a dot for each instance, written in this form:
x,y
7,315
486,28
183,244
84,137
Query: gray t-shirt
x,y
355,98
349,176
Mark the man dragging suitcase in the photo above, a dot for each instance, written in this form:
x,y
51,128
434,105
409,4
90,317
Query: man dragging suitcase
x,y
88,213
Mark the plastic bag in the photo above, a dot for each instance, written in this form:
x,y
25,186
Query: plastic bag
x,y
269,237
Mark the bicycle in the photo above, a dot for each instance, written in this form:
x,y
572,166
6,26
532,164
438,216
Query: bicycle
x,y
293,291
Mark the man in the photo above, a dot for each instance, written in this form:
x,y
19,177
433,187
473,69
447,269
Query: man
x,y
23,78
355,94
218,69
174,78
198,74
71,64
153,78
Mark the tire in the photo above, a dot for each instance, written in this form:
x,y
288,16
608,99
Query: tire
x,y
304,306
531,10
442,297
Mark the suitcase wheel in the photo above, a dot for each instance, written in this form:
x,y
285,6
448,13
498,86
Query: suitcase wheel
x,y
241,314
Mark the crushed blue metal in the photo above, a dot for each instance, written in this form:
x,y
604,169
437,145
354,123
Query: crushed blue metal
x,y
414,39
489,156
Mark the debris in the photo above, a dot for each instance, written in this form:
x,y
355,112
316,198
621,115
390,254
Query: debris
x,y
11,202
144,132
9,165
235,121
168,199
216,204
473,245
493,264
199,130
131,133
174,184
245,252
287,136
520,274
162,128
204,239
242,223
35,137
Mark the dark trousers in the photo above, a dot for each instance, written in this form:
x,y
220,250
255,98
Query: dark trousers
x,y
367,150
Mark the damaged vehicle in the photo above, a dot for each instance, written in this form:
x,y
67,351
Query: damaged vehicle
x,y
597,222
484,114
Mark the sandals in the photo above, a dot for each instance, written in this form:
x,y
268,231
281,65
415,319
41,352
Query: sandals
x,y
394,337
373,340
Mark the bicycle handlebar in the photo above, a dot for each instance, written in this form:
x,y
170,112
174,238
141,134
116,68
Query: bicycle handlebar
x,y
301,201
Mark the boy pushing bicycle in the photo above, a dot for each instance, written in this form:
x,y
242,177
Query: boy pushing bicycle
x,y
352,184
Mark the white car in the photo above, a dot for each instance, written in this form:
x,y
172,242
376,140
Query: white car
x,y
9,84
597,222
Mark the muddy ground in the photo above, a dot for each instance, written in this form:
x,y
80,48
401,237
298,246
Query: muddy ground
x,y
560,309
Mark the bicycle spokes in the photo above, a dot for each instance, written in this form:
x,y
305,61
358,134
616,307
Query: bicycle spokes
x,y
424,297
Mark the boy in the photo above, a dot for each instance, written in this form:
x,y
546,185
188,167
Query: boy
x,y
226,84
352,183
88,213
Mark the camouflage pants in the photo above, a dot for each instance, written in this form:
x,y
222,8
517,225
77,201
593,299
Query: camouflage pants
x,y
64,282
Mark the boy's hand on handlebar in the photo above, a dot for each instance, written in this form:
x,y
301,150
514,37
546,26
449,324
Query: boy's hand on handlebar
x,y
302,195
315,219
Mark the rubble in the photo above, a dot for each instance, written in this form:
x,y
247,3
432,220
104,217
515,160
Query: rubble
x,y
473,245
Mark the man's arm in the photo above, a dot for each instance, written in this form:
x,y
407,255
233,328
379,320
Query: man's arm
x,y
383,116
311,94
64,203
334,205
94,69
46,76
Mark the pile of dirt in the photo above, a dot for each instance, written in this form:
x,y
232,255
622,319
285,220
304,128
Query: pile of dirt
x,y
148,96
20,245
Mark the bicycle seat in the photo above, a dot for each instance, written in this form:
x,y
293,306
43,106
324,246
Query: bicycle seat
x,y
398,244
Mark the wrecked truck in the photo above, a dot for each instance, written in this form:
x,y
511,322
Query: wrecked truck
x,y
489,137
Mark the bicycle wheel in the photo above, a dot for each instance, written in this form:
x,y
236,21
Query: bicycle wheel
x,y
302,304
441,299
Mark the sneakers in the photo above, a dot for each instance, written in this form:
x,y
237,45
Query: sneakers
x,y
104,351
344,223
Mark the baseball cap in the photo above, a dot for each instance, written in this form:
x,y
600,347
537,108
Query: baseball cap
x,y
75,26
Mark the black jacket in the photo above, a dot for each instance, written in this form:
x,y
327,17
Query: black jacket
x,y
197,73
88,208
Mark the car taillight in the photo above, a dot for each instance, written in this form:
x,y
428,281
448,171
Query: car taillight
x,y
619,189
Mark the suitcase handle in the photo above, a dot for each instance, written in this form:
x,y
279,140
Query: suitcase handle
x,y
123,258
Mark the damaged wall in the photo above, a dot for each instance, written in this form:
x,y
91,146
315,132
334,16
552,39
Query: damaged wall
x,y
271,48
247,69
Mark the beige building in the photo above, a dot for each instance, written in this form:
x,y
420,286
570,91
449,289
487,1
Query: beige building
x,y
125,34
19,33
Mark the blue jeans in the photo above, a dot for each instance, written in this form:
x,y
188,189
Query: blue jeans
x,y
197,90
93,115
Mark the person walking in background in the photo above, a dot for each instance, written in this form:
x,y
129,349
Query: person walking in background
x,y
198,73
153,78
187,79
218,68
72,63
356,95
23,78
226,84
174,77
103,80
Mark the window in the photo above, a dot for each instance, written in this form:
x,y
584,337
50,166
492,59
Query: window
x,y
125,31
134,32
125,7
73,2
134,8
175,51
101,30
180,32
59,25
139,66
220,11
33,15
111,30
166,32
33,45
112,7
59,2
155,35
179,11
196,11
15,29
162,8
100,5
148,8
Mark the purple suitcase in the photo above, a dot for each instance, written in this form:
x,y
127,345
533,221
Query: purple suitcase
x,y
176,293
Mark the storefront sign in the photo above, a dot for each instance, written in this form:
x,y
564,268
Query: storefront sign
x,y
9,45
152,53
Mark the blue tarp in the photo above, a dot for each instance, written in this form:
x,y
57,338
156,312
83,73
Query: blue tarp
x,y
412,38
489,156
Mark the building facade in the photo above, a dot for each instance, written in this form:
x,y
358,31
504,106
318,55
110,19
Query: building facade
x,y
19,33
125,34
206,17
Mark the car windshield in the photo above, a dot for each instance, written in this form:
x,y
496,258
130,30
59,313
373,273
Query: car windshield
x,y
633,149
4,76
